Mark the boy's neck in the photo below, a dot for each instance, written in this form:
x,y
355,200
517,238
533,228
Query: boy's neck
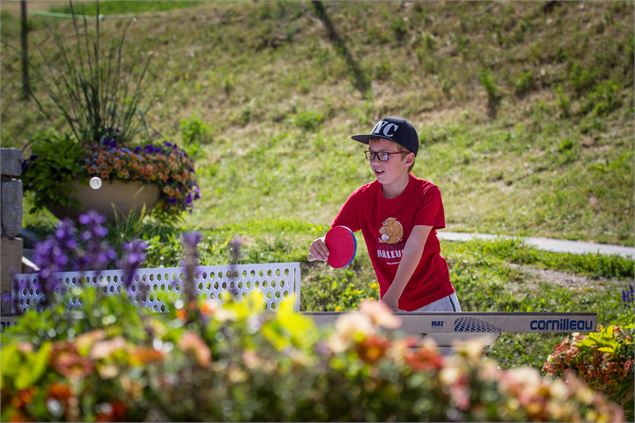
x,y
393,190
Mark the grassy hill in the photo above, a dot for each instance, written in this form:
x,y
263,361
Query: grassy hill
x,y
525,111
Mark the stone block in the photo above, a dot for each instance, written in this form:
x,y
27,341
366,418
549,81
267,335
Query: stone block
x,y
11,263
11,208
10,162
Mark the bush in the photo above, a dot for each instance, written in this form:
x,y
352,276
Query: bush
x,y
107,360
54,162
58,160
603,359
308,119
204,361
194,133
603,99
525,83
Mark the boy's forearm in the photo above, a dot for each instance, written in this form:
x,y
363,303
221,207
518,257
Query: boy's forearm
x,y
409,261
413,250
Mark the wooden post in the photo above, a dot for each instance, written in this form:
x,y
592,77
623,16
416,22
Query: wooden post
x,y
24,30
10,221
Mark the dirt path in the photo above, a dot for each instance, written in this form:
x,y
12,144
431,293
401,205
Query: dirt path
x,y
556,245
567,280
13,6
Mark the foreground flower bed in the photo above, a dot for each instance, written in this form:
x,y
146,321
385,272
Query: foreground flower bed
x,y
236,362
604,360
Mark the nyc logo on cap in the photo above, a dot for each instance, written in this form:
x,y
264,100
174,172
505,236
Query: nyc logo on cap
x,y
384,128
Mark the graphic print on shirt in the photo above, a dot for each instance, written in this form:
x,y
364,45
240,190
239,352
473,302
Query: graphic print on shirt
x,y
390,245
391,231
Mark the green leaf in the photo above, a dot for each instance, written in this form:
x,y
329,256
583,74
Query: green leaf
x,y
34,367
9,363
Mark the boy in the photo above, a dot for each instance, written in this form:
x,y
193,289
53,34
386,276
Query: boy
x,y
398,215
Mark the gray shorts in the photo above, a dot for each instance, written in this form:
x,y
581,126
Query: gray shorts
x,y
449,303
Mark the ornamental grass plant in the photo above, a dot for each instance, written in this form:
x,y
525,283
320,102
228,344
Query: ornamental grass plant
x,y
100,96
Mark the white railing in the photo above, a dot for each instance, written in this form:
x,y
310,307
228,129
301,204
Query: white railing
x,y
276,280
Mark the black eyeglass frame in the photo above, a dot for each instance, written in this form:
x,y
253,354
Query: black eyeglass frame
x,y
375,154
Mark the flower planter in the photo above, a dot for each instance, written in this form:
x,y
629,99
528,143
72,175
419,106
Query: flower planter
x,y
124,197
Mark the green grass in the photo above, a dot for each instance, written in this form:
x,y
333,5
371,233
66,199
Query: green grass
x,y
114,7
267,102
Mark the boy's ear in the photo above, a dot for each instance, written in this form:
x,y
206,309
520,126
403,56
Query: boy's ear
x,y
410,158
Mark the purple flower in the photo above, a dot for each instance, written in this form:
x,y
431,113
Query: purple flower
x,y
92,218
137,149
134,256
50,258
190,241
109,142
94,253
65,234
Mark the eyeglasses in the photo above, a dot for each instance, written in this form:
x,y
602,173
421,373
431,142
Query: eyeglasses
x,y
382,156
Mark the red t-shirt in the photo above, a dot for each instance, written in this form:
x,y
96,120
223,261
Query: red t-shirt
x,y
386,225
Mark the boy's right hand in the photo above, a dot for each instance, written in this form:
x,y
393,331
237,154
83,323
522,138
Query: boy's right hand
x,y
318,250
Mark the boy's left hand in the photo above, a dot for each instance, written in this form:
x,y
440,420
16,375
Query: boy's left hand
x,y
391,300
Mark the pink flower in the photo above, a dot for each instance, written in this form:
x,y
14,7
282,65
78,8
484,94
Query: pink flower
x,y
191,342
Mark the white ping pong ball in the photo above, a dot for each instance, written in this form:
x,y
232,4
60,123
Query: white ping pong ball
x,y
95,182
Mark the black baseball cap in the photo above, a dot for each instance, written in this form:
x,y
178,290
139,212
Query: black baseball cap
x,y
393,129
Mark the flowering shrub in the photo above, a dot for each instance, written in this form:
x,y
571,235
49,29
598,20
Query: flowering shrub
x,y
165,165
107,360
236,362
603,359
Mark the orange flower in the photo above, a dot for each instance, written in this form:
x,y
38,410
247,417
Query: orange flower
x,y
181,314
425,358
372,348
60,392
114,411
141,355
17,417
208,307
24,397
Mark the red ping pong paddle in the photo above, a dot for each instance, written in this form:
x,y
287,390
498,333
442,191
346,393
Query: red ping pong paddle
x,y
342,246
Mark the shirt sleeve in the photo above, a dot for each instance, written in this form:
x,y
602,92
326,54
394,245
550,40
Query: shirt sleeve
x,y
430,212
349,214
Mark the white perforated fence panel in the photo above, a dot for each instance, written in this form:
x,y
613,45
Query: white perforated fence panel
x,y
276,280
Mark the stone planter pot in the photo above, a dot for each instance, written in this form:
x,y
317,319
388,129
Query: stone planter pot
x,y
124,197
